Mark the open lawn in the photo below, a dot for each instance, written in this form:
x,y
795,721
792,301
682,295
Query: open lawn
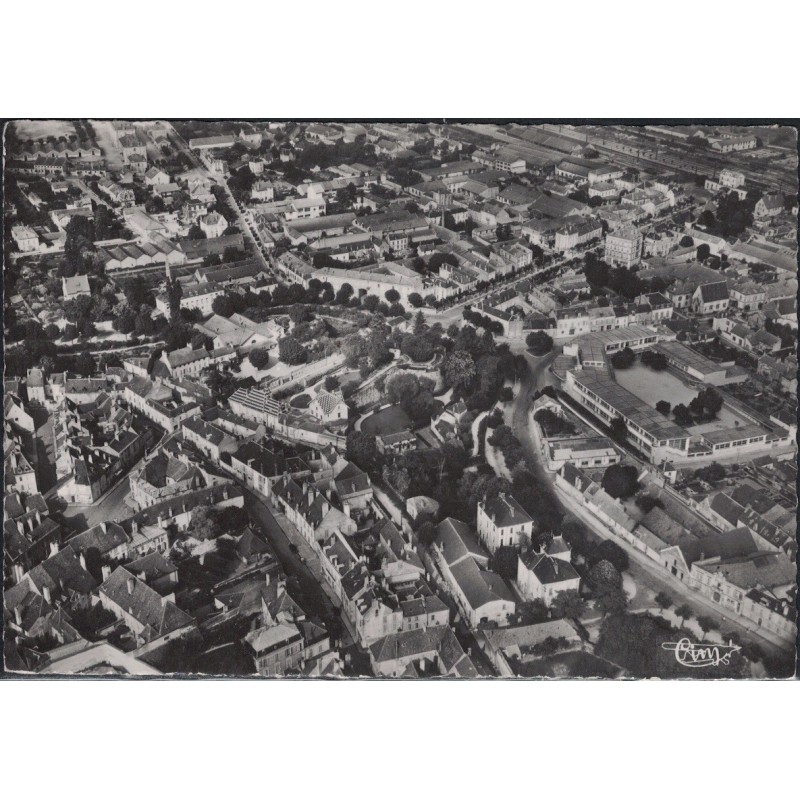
x,y
390,420
347,376
41,128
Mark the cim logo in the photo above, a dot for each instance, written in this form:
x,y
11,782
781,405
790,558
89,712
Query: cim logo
x,y
689,654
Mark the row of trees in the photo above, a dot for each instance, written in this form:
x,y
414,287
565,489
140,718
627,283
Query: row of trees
x,y
482,321
81,234
504,440
626,357
209,522
654,360
620,481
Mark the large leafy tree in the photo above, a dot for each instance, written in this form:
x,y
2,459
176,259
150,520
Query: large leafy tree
x,y
569,604
290,351
458,369
174,295
620,481
344,294
539,343
400,386
362,450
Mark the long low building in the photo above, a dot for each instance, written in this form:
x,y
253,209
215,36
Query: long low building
x,y
210,142
594,349
347,247
654,434
129,255
240,332
651,431
692,363
301,231
582,451
378,280
190,361
259,405
722,441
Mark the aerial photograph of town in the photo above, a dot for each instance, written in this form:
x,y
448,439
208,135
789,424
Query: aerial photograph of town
x,y
399,399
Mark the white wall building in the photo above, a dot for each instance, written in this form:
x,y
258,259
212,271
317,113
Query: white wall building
x,y
502,522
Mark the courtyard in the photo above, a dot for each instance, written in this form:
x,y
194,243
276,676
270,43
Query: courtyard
x,y
651,386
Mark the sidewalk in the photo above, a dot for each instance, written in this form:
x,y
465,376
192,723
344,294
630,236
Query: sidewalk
x,y
683,592
476,442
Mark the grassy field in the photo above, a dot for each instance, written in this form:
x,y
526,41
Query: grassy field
x,y
41,129
390,420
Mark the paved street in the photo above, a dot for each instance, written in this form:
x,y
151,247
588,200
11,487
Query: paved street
x,y
77,182
45,450
180,142
107,139
302,565
244,227
650,582
536,377
649,579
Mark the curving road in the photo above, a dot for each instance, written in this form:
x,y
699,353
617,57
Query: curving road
x,y
536,378
648,577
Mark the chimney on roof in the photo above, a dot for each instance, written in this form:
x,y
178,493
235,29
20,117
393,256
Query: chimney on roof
x,y
131,583
135,526
106,572
46,594
82,559
17,615
53,548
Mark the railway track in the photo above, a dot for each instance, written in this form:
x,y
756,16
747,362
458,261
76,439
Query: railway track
x,y
766,178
